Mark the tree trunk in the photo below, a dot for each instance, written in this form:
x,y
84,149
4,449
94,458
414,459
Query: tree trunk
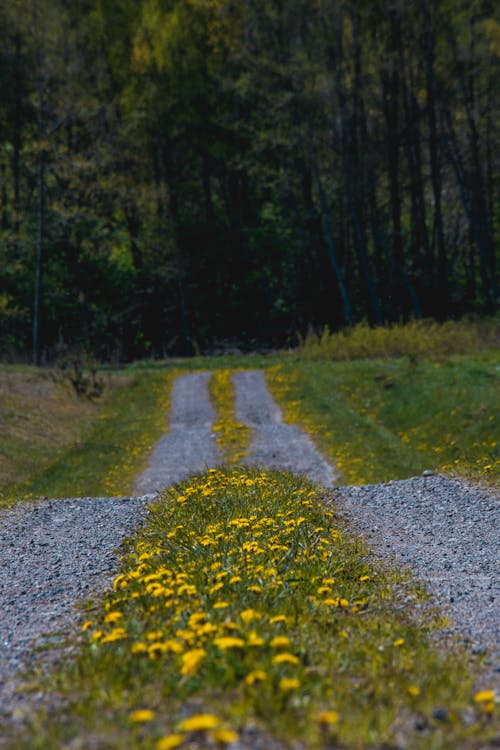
x,y
38,306
330,244
442,294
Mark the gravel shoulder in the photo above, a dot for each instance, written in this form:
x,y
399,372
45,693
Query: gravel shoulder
x,y
52,555
447,533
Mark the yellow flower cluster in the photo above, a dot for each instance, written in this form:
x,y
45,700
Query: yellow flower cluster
x,y
233,438
222,592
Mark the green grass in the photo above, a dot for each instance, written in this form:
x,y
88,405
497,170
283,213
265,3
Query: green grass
x,y
390,419
246,601
67,446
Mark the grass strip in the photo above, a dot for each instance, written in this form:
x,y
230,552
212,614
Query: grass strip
x,y
113,448
379,420
245,602
233,437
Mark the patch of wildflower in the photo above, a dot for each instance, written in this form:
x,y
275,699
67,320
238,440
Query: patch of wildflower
x,y
293,632
233,437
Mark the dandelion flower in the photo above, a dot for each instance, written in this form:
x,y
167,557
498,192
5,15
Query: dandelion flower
x,y
289,683
199,723
224,736
229,641
258,675
280,641
141,715
327,717
249,615
191,660
484,696
285,658
170,742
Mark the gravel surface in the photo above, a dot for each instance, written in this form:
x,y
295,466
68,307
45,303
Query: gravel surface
x,y
53,554
276,444
448,533
190,444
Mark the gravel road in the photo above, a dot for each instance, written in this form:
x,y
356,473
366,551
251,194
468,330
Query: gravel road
x,y
189,446
57,552
276,444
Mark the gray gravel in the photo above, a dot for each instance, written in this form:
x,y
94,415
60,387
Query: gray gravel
x,y
447,532
276,444
190,444
53,554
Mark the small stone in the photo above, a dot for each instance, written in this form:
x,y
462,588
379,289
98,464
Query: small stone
x,y
440,714
428,473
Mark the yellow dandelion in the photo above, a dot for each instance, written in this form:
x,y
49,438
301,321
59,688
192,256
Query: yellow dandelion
x,y
224,736
118,634
87,625
278,618
249,615
398,642
141,715
228,641
191,661
289,683
138,648
413,691
280,641
258,675
199,723
485,696
285,658
113,617
254,639
327,717
170,742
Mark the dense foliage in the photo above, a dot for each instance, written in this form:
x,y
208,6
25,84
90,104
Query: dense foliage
x,y
174,172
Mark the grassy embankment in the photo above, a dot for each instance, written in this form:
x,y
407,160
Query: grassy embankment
x,y
389,403
56,444
245,603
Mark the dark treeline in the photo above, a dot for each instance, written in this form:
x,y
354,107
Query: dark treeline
x,y
178,172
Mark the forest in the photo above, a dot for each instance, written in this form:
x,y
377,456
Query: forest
x,y
182,175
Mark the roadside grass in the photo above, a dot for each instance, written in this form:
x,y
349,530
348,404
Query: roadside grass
x,y
58,445
233,438
418,339
245,602
386,419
